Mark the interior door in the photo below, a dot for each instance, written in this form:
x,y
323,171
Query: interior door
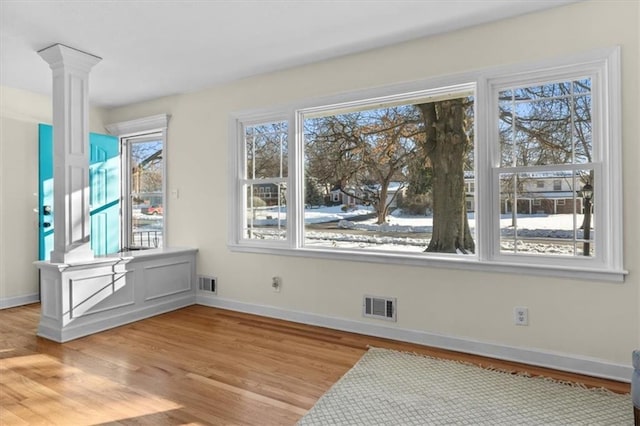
x,y
104,192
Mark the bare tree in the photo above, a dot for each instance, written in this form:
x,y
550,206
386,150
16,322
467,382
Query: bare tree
x,y
146,173
266,147
547,124
447,145
363,153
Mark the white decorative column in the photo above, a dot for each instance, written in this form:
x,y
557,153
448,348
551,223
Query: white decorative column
x,y
71,212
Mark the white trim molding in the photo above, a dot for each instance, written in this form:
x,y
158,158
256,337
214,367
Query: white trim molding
x,y
126,130
532,356
154,122
15,301
85,298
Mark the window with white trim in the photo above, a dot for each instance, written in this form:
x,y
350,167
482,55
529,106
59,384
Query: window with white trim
x,y
143,183
377,157
545,130
143,144
441,172
265,180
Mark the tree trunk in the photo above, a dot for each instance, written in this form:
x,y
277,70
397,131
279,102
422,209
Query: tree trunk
x,y
446,145
382,208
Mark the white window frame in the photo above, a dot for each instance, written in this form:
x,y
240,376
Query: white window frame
x,y
604,70
603,66
132,129
238,180
557,185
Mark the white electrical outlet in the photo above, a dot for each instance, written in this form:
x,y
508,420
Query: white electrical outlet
x,y
276,284
521,315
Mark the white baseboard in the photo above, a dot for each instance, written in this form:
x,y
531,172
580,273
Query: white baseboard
x,y
559,361
106,321
12,302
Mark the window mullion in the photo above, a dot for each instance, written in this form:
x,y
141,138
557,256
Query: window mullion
x,y
486,157
295,221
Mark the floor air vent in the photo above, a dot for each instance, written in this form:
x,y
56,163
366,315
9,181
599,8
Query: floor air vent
x,y
380,307
207,284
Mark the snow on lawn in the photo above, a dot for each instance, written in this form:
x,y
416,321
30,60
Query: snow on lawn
x,y
380,237
539,225
333,213
531,226
387,243
264,216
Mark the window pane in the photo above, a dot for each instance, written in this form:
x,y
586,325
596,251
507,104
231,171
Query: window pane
x,y
582,129
266,150
546,124
582,86
266,211
506,130
542,92
545,222
372,178
147,202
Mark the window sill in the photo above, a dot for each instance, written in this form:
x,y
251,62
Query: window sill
x,y
470,263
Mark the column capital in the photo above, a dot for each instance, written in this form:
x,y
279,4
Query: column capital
x,y
59,55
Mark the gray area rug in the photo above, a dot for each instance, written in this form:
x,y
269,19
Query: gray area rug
x,y
396,388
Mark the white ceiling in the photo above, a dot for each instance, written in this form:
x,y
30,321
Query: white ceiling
x,y
164,47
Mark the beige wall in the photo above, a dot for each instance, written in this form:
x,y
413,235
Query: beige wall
x,y
20,114
587,319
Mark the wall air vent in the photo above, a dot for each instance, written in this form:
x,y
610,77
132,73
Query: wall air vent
x,y
379,307
207,284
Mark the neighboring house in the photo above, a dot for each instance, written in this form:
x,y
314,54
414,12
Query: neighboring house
x,y
469,190
543,194
337,196
267,192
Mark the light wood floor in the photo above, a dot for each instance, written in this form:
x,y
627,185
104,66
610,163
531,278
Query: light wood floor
x,y
198,365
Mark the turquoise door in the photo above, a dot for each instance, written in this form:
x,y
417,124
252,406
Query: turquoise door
x,y
104,182
45,191
104,192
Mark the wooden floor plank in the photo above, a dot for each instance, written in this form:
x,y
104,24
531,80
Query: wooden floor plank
x,y
197,365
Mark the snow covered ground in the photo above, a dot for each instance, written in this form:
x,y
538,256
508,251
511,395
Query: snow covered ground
x,y
542,234
147,230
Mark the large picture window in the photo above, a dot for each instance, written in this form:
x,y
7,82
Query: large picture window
x,y
377,177
500,170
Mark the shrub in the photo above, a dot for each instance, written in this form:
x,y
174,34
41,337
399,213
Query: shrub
x,y
258,202
416,205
